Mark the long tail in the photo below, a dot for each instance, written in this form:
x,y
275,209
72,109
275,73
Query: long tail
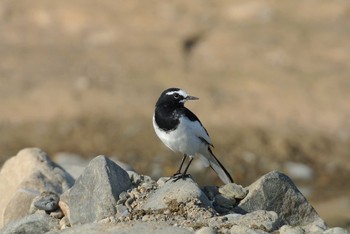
x,y
216,165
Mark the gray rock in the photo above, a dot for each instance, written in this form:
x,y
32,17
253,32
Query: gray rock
x,y
276,192
245,230
232,216
336,230
161,181
122,210
224,202
206,230
64,223
57,214
262,220
32,224
233,190
25,176
315,228
286,229
134,177
47,201
211,191
95,193
124,228
181,191
226,196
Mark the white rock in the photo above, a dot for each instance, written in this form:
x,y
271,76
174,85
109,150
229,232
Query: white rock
x,y
25,176
129,228
260,219
35,223
233,190
206,230
181,191
245,230
336,230
286,229
161,181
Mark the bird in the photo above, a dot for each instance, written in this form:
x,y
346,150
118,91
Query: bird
x,y
182,132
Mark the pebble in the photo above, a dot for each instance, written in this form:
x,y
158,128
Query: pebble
x,y
286,229
223,201
121,208
147,179
314,228
128,203
134,177
161,181
233,216
123,196
166,212
245,230
64,222
47,201
145,218
147,185
64,208
206,230
57,214
233,190
336,230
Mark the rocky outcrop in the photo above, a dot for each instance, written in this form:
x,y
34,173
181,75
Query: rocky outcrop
x,y
181,191
277,192
107,199
25,176
95,193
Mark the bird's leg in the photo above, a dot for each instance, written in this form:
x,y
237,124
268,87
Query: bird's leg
x,y
188,165
178,172
182,163
183,175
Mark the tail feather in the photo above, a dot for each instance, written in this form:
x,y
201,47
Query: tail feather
x,y
216,165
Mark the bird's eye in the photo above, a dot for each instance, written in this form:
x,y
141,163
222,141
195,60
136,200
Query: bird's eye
x,y
176,95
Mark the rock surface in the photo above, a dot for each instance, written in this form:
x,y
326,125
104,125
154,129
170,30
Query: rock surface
x,y
261,220
130,228
107,199
95,193
181,191
25,176
32,224
47,201
277,192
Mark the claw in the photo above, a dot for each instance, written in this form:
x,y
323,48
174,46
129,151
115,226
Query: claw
x,y
176,177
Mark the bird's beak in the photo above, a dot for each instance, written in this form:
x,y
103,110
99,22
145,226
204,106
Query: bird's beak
x,y
191,98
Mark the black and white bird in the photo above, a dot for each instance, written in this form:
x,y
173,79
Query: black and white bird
x,y
181,131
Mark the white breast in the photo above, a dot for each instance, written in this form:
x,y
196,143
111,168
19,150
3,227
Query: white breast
x,y
185,138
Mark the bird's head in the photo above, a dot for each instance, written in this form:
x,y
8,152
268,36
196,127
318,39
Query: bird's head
x,y
174,97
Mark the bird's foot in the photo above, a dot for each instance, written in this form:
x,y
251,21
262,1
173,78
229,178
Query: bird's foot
x,y
178,173
178,176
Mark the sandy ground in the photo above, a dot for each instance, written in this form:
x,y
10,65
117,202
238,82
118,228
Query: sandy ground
x,y
272,77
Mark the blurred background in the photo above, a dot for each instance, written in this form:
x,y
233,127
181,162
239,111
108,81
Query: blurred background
x,y
272,76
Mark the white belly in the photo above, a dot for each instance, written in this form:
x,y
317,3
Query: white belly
x,y
183,139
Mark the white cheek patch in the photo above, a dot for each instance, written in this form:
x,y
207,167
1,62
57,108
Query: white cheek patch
x,y
180,92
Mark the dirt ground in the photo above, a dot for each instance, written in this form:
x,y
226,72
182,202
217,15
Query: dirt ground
x,y
272,78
